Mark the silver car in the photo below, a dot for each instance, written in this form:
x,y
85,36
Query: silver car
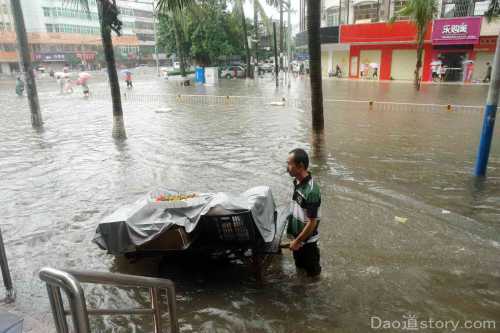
x,y
233,71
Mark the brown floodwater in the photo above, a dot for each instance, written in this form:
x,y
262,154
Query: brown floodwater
x,y
406,229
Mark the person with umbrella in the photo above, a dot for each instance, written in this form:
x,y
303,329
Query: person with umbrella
x,y
435,67
128,78
19,86
82,80
374,67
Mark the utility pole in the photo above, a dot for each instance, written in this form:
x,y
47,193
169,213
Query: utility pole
x,y
156,39
489,116
25,55
289,42
276,69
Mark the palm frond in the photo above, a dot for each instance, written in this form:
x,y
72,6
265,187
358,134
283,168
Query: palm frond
x,y
108,12
274,3
165,6
265,18
493,11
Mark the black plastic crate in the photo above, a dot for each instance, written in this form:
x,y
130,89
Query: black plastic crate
x,y
230,229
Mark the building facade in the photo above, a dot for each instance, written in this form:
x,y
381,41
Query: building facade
x,y
60,33
459,40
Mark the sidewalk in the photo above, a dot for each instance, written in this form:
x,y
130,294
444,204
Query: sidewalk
x,y
407,82
30,324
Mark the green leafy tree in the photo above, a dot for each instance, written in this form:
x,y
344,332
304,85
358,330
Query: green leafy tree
x,y
176,11
208,32
73,60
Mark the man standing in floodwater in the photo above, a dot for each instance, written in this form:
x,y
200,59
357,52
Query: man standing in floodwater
x,y
304,215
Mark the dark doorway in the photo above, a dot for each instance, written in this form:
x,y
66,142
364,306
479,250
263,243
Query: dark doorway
x,y
453,62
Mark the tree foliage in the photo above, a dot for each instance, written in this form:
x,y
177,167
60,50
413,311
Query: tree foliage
x,y
209,33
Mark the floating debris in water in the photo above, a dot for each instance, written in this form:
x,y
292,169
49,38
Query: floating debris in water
x,y
164,110
400,219
277,103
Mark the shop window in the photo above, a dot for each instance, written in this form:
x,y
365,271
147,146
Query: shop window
x,y
49,27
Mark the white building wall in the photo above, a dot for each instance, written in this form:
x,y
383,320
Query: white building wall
x,y
33,15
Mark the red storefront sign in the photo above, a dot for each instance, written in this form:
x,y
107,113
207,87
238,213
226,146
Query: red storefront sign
x,y
453,31
400,31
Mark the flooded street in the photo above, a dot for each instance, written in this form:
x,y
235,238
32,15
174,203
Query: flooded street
x,y
405,229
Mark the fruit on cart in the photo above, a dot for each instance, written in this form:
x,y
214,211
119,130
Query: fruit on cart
x,y
175,197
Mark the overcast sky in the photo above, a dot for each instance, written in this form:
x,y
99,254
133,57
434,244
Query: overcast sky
x,y
274,12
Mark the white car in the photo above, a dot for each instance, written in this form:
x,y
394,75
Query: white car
x,y
233,71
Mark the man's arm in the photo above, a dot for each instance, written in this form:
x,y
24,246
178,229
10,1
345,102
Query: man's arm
x,y
304,235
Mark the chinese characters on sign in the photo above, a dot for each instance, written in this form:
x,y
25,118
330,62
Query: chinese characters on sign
x,y
463,30
455,29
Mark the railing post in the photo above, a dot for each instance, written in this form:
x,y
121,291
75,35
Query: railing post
x,y
57,305
172,311
56,278
155,306
7,279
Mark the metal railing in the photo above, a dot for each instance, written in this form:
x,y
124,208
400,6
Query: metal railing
x,y
167,100
7,279
69,281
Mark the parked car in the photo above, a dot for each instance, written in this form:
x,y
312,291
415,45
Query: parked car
x,y
266,67
233,71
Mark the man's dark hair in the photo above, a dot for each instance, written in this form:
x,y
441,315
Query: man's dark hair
x,y
300,157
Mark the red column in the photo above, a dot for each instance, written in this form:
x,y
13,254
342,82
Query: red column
x,y
426,70
354,52
385,63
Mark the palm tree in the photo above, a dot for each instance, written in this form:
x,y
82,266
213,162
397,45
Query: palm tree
x,y
179,41
256,28
421,13
108,19
24,52
313,30
175,10
258,10
279,4
239,8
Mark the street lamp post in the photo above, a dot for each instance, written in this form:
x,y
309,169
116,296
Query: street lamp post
x,y
156,40
289,39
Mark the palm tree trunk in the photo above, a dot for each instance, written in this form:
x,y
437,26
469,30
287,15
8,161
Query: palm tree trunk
x,y
420,52
245,32
256,29
178,44
313,28
22,40
109,55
